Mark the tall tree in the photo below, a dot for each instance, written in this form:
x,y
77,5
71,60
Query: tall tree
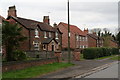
x,y
118,38
11,35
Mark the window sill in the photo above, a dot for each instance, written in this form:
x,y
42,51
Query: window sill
x,y
45,37
36,36
56,38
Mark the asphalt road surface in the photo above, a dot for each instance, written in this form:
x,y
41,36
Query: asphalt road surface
x,y
110,72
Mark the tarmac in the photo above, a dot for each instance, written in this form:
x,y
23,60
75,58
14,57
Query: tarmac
x,y
81,68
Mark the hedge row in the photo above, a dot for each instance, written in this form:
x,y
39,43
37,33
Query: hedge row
x,y
92,53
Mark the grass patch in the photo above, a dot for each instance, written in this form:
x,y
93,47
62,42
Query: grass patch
x,y
35,71
105,57
115,58
81,57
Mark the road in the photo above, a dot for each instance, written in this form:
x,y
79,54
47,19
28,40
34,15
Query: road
x,y
110,72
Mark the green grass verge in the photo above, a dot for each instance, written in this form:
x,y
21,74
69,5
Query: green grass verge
x,y
35,71
105,57
81,57
115,58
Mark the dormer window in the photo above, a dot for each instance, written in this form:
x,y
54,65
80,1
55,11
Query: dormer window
x,y
36,33
50,35
56,34
45,34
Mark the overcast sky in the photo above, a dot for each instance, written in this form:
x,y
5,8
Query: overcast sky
x,y
84,14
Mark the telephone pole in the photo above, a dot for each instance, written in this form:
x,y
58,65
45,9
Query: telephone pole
x,y
69,55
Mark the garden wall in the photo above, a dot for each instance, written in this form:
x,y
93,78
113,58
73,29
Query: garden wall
x,y
16,65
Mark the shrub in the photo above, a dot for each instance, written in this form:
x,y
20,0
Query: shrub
x,y
92,53
19,55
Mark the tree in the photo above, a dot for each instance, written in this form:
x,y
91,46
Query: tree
x,y
11,36
118,38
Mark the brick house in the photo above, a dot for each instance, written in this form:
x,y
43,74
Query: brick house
x,y
94,40
41,36
113,43
78,38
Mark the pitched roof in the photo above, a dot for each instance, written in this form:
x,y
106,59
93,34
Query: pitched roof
x,y
2,18
73,29
48,40
32,24
94,36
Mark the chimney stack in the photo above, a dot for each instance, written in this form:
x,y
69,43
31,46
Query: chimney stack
x,y
94,33
54,25
46,20
86,30
12,11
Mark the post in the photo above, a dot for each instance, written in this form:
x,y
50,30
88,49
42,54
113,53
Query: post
x,y
69,55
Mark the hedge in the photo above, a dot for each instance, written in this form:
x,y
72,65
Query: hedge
x,y
92,53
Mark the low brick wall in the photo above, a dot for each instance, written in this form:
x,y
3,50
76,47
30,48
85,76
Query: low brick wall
x,y
59,55
76,56
16,65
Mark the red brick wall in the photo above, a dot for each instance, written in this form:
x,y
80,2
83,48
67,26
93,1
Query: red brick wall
x,y
10,66
64,30
25,44
113,44
91,42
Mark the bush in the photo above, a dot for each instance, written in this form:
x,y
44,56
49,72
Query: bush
x,y
92,53
19,55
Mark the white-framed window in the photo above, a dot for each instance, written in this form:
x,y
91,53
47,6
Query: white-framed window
x,y
45,34
77,37
36,33
36,45
83,46
86,38
80,46
56,35
50,35
83,38
80,38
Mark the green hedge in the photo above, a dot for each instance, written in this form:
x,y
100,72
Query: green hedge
x,y
92,53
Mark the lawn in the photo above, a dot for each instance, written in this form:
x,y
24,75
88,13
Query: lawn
x,y
115,58
35,71
105,57
81,57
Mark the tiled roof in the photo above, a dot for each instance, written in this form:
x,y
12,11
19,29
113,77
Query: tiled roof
x,y
95,36
2,18
74,29
32,24
48,40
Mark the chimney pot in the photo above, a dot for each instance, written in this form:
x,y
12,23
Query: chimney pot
x,y
12,11
46,19
54,25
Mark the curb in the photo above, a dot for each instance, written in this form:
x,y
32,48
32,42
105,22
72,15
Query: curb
x,y
94,70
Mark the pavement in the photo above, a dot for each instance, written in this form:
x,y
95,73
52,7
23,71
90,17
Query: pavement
x,y
80,68
111,71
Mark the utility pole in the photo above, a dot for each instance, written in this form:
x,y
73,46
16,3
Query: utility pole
x,y
69,55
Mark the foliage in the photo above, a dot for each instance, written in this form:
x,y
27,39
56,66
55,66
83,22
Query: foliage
x,y
11,35
19,55
35,70
92,53
118,38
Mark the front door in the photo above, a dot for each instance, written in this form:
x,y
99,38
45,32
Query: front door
x,y
52,47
